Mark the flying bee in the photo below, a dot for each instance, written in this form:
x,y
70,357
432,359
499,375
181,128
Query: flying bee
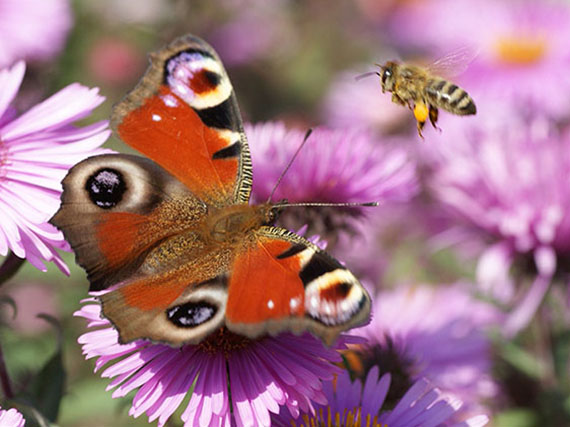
x,y
424,91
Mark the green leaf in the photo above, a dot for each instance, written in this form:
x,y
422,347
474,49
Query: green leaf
x,y
567,405
561,356
9,267
522,360
46,389
516,417
32,416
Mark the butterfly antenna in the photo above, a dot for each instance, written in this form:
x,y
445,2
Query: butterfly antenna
x,y
325,204
307,135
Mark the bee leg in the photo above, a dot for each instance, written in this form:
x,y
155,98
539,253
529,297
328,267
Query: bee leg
x,y
433,115
421,115
420,127
397,100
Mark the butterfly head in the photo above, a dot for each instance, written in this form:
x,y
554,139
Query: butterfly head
x,y
273,210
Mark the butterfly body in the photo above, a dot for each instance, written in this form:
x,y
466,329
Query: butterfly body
x,y
171,243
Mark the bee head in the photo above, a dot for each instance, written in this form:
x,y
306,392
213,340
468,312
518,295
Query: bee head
x,y
387,76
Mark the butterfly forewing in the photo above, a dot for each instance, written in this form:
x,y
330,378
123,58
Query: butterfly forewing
x,y
116,208
184,116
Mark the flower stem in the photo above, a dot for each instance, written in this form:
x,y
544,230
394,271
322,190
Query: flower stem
x,y
9,267
5,378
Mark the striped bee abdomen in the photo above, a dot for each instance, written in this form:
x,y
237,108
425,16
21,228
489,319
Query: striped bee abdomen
x,y
450,97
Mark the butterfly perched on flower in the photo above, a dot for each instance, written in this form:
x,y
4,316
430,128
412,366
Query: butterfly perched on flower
x,y
170,242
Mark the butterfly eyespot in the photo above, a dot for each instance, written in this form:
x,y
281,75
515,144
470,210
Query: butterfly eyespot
x,y
106,188
334,298
191,314
210,78
187,73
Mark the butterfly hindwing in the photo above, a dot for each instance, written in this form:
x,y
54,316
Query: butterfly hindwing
x,y
284,282
170,310
184,116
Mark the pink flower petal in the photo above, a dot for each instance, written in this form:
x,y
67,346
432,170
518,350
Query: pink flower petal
x,y
34,165
10,81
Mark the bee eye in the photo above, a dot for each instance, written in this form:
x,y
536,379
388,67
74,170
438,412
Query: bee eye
x,y
386,75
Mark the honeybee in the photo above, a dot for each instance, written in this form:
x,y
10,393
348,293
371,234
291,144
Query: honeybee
x,y
423,91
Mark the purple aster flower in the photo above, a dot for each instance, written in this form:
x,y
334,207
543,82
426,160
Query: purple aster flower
x,y
505,180
352,102
335,165
263,375
36,150
378,237
354,404
32,29
256,29
11,418
433,332
523,49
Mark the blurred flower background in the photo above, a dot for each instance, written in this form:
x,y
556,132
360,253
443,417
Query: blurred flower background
x,y
467,257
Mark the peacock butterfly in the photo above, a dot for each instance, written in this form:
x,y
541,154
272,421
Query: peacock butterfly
x,y
171,240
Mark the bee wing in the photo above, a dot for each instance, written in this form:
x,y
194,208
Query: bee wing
x,y
454,63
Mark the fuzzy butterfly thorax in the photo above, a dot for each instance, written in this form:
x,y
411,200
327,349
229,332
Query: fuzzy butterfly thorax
x,y
233,223
170,242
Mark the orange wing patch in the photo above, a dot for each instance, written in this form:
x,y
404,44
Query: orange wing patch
x,y
172,134
151,294
263,286
118,251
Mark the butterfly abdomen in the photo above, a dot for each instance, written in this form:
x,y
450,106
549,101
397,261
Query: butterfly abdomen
x,y
448,96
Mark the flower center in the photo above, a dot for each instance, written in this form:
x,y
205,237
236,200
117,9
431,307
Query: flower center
x,y
521,50
389,358
350,418
224,342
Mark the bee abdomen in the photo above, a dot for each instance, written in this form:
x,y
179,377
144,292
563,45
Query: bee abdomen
x,y
450,97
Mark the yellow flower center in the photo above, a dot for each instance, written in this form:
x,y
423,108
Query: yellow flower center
x,y
347,419
521,50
